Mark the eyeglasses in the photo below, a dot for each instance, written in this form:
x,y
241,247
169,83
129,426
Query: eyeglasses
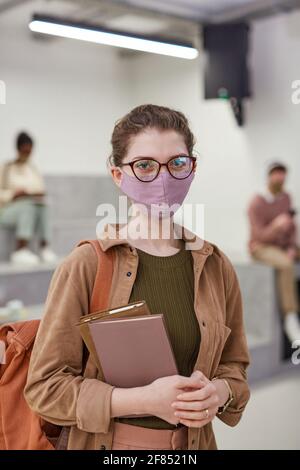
x,y
146,169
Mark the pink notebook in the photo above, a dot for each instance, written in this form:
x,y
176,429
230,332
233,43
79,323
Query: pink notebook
x,y
133,351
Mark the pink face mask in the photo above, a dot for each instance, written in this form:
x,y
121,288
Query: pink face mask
x,y
165,191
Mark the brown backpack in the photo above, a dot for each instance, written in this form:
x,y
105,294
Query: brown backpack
x,y
20,427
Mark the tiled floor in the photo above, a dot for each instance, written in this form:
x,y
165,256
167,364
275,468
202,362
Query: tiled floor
x,y
271,419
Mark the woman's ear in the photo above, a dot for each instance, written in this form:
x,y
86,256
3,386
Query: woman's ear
x,y
116,174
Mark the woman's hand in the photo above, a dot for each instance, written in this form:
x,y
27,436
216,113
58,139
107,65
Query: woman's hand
x,y
161,393
197,408
167,396
154,399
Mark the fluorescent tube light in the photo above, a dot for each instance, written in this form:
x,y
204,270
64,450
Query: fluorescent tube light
x,y
66,29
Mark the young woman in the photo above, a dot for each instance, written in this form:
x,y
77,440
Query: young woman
x,y
190,280
22,205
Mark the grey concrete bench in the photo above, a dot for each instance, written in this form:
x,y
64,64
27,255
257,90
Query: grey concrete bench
x,y
73,201
262,319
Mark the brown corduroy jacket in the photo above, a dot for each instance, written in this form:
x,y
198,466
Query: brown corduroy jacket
x,y
56,388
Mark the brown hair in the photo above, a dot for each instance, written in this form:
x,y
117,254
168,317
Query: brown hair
x,y
143,117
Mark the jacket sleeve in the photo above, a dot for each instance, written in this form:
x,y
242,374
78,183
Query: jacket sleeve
x,y
55,388
235,356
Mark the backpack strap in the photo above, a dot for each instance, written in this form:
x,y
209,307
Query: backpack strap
x,y
103,279
18,338
26,332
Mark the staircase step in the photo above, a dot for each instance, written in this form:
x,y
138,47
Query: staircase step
x,y
28,284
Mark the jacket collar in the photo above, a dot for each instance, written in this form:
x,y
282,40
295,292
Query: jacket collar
x,y
117,234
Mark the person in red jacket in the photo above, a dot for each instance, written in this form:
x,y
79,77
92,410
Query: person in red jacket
x,y
273,242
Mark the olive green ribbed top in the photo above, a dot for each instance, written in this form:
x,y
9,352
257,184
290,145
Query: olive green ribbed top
x,y
167,285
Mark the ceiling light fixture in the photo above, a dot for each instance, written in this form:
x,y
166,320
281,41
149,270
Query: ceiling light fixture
x,y
90,33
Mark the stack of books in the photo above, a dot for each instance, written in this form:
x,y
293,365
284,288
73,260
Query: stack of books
x,y
129,345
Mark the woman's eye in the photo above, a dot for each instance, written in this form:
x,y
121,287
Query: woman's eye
x,y
178,162
143,165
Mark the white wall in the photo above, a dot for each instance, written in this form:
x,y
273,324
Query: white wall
x,y
69,95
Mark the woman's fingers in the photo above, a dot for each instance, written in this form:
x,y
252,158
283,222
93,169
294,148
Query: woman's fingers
x,y
198,405
200,375
193,415
196,395
196,380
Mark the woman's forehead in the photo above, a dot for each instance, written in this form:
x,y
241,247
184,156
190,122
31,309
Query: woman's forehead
x,y
155,143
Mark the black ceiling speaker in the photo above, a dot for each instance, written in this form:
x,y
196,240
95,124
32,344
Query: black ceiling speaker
x,y
226,70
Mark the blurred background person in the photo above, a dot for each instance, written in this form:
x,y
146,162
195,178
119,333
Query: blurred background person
x,y
273,242
22,205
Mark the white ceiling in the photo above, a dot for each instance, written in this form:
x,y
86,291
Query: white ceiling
x,y
210,10
177,19
193,8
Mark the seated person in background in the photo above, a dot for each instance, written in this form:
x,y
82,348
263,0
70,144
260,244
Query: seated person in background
x,y
22,204
273,242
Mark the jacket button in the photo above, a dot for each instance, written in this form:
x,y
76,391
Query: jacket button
x,y
103,447
128,274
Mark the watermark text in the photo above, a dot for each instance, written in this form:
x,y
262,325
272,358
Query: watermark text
x,y
2,92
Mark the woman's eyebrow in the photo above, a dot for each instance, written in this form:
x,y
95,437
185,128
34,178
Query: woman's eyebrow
x,y
140,156
182,154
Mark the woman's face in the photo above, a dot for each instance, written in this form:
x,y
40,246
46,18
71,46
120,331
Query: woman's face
x,y
154,143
